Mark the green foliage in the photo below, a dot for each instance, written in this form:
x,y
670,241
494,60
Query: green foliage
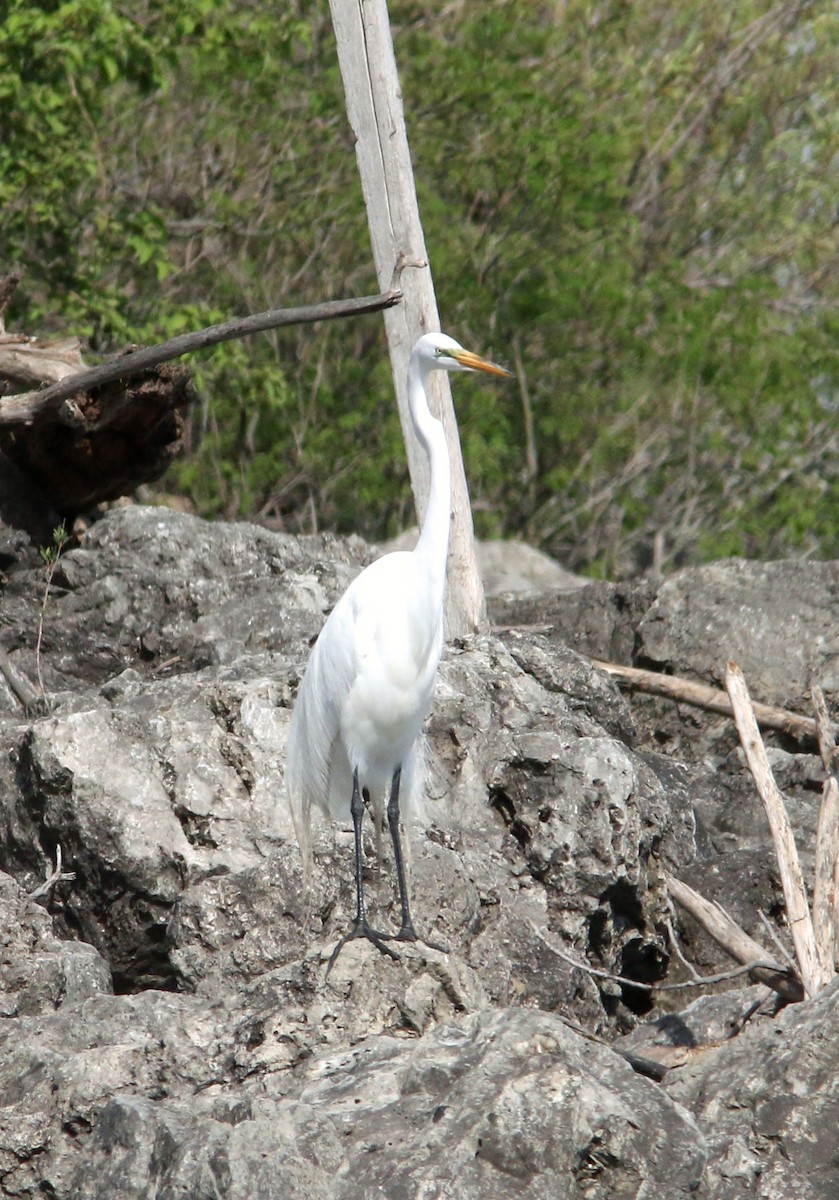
x,y
636,201
650,213
58,62
51,553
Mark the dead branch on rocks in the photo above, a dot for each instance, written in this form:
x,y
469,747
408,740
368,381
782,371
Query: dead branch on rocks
x,y
826,872
795,894
712,699
814,935
17,681
57,875
754,958
760,970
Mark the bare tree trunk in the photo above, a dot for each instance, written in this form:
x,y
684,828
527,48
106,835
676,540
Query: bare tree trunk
x,y
374,109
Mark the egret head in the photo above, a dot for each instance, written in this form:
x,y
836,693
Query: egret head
x,y
438,350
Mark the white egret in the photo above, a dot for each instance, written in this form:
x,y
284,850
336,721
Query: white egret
x,y
357,722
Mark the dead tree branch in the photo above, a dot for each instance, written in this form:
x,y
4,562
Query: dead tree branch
x,y
22,409
814,937
58,875
795,895
88,435
702,696
750,968
17,682
725,931
826,873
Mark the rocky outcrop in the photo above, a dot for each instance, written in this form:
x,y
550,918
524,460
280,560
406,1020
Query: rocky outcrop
x,y
169,1025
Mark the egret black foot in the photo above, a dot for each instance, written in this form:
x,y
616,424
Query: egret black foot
x,y
408,934
362,930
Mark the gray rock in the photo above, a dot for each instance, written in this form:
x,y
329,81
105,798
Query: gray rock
x,y
709,1020
160,784
600,619
167,793
154,589
501,1104
39,972
777,620
155,1095
171,654
513,568
768,1100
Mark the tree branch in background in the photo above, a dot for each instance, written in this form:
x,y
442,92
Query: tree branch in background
x,y
95,434
24,408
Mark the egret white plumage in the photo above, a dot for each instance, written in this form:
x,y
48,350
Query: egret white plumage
x,y
357,722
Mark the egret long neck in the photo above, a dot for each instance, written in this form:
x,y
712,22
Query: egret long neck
x,y
433,545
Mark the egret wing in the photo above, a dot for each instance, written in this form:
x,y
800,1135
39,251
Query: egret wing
x,y
313,778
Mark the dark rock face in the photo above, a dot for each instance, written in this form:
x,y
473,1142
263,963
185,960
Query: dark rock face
x,y
227,1064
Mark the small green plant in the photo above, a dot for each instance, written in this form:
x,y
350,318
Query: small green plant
x,y
50,555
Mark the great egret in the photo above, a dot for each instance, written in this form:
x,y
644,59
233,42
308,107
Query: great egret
x,y
356,726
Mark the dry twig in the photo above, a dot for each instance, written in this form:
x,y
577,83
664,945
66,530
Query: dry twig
x,y
826,873
698,981
775,938
725,931
57,876
795,895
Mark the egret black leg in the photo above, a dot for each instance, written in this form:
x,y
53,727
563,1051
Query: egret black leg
x,y
357,813
361,926
406,933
